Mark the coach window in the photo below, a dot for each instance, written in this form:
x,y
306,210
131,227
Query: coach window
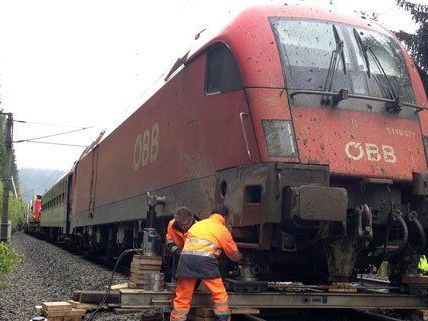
x,y
222,73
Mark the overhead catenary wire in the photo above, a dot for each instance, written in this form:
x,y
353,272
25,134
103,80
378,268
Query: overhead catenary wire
x,y
52,135
46,124
52,143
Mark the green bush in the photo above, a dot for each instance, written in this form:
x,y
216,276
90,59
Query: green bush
x,y
16,212
9,258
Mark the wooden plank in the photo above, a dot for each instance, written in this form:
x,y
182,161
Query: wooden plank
x,y
144,267
136,286
150,258
56,306
141,277
80,305
142,274
147,261
70,313
56,319
119,286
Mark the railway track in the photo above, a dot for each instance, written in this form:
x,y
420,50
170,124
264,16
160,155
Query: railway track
x,y
295,302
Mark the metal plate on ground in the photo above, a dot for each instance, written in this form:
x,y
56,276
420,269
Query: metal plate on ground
x,y
274,300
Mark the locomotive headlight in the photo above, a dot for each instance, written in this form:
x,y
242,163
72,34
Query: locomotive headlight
x,y
280,140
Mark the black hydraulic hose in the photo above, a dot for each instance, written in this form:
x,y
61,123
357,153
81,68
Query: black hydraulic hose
x,y
405,237
106,295
405,233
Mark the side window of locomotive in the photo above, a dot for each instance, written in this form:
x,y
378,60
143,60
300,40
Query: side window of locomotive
x,y
222,74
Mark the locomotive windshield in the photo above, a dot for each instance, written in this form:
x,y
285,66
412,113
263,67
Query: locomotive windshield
x,y
327,56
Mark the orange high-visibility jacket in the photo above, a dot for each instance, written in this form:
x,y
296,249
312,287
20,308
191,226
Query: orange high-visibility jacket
x,y
205,241
174,237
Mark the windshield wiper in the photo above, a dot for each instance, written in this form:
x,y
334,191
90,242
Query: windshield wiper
x,y
394,104
293,93
334,62
393,107
363,48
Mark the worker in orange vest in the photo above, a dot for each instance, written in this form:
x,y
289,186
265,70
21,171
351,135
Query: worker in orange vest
x,y
205,241
175,234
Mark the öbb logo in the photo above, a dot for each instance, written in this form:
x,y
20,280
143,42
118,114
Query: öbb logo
x,y
356,151
146,147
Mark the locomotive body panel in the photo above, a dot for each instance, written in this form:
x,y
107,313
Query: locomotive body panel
x,y
179,135
82,185
360,144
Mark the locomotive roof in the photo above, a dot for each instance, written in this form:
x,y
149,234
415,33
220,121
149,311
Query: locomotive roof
x,y
250,38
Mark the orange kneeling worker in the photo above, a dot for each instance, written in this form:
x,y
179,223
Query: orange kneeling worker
x,y
205,241
176,234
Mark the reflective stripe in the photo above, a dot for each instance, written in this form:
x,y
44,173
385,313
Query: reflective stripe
x,y
205,244
178,319
220,304
199,253
178,311
174,248
202,242
169,242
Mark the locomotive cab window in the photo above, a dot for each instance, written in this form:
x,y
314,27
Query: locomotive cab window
x,y
330,57
222,73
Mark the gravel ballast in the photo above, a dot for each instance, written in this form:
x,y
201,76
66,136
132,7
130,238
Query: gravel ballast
x,y
49,273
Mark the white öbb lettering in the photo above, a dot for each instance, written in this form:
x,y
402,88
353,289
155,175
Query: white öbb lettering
x,y
146,147
356,151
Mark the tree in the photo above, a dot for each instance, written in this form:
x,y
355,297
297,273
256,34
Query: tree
x,y
417,44
16,205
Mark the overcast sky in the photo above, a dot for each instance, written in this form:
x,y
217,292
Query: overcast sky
x,y
92,62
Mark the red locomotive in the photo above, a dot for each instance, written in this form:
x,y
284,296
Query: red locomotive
x,y
37,209
34,215
310,125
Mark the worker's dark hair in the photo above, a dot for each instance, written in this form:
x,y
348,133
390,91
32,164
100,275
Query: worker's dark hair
x,y
220,209
183,214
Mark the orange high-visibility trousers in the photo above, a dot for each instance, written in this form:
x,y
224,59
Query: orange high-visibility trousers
x,y
184,293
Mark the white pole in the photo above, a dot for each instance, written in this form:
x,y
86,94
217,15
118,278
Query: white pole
x,y
14,187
